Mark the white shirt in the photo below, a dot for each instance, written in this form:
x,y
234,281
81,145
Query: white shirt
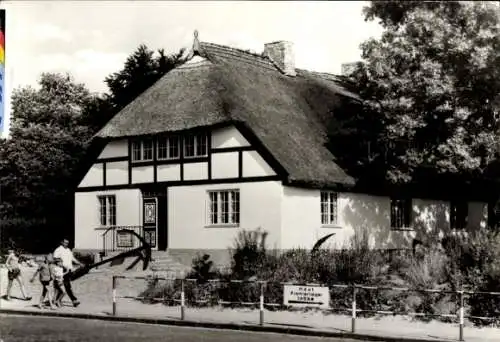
x,y
66,256
58,273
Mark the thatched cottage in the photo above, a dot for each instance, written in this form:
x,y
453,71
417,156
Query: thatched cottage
x,y
232,140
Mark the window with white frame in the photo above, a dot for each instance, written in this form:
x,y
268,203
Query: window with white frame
x,y
328,207
459,212
224,207
142,150
107,210
195,145
168,147
400,213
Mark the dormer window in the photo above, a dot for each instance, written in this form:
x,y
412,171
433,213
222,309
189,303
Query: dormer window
x,y
195,145
142,150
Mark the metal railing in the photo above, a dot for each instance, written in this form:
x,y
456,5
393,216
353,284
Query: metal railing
x,y
354,310
113,240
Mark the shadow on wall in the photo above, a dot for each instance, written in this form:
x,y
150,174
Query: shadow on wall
x,y
429,221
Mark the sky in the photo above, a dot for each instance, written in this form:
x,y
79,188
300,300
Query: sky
x,y
92,39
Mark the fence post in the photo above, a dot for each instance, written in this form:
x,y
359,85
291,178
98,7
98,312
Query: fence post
x,y
353,320
461,315
182,301
114,295
261,307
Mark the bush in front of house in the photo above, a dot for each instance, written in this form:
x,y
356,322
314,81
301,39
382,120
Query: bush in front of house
x,y
355,263
250,260
161,291
473,261
249,255
427,271
475,266
202,292
197,293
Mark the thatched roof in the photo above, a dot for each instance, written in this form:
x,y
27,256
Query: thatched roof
x,y
287,114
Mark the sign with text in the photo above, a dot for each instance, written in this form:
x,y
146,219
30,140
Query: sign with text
x,y
306,296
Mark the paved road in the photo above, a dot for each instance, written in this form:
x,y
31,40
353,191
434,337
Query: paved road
x,y
55,329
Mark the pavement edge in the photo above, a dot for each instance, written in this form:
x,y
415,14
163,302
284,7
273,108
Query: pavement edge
x,y
223,326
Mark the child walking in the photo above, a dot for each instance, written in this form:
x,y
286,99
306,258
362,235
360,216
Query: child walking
x,y
58,276
45,276
14,273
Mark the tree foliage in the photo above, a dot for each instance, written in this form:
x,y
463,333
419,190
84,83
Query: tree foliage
x,y
38,162
141,70
433,81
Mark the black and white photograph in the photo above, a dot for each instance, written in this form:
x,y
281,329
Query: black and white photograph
x,y
221,171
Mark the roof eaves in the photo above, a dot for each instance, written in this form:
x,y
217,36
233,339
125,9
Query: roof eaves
x,y
347,185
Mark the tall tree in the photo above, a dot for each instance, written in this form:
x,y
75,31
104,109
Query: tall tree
x,y
141,70
38,163
433,80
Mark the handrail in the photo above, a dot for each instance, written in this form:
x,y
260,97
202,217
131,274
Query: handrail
x,y
114,229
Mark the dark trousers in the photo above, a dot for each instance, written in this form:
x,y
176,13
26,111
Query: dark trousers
x,y
45,288
67,286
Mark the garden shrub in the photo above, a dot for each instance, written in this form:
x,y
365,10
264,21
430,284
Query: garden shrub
x,y
473,261
156,288
427,271
476,263
250,261
202,292
198,293
202,269
249,254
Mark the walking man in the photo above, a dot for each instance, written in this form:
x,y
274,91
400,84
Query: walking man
x,y
68,259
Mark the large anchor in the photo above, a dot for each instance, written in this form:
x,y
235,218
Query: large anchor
x,y
143,253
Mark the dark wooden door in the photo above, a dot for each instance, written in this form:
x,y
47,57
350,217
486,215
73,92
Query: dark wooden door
x,y
150,220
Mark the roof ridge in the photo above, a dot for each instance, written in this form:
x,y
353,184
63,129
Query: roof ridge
x,y
248,52
222,51
320,73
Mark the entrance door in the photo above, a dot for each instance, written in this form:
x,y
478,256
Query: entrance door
x,y
150,220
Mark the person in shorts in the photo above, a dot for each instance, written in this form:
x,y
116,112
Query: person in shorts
x,y
45,276
14,273
58,281
68,260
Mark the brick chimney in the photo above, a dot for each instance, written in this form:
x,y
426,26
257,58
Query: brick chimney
x,y
281,53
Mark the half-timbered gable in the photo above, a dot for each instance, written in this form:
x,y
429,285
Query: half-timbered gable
x,y
176,158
